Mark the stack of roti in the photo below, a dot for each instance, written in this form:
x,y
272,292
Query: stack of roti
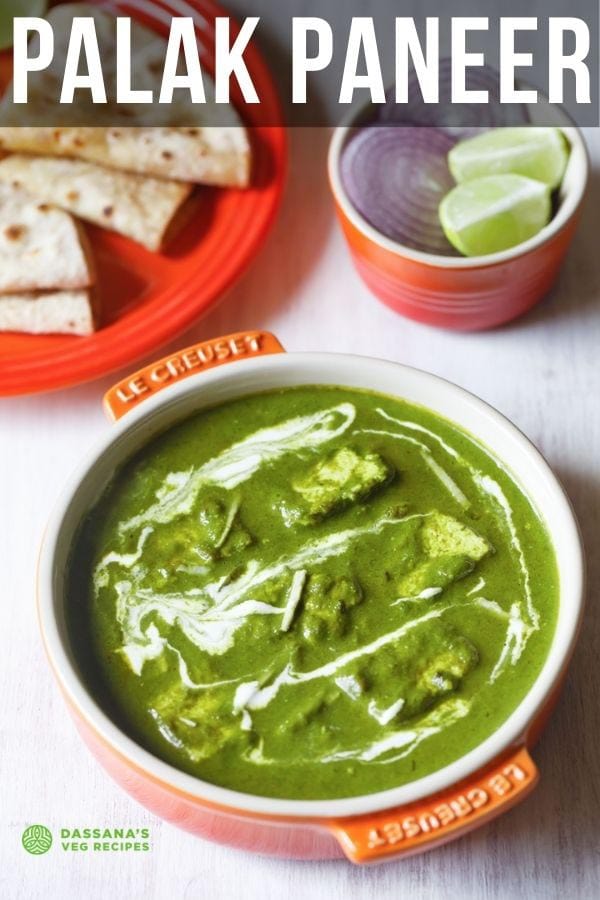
x,y
45,269
130,180
138,207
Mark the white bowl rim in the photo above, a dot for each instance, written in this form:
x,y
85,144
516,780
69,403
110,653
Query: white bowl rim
x,y
577,171
511,733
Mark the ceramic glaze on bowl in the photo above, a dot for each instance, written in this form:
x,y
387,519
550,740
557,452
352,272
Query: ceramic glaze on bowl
x,y
420,814
462,293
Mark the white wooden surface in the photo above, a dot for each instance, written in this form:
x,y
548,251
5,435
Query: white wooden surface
x,y
543,372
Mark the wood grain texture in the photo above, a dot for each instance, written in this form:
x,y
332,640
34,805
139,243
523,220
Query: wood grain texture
x,y
543,372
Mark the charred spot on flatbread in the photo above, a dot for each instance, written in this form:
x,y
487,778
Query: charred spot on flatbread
x,y
15,232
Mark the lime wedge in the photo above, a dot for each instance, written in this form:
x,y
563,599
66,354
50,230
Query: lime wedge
x,y
540,153
490,214
11,8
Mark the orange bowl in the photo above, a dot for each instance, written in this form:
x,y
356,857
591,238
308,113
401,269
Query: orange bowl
x,y
411,818
457,292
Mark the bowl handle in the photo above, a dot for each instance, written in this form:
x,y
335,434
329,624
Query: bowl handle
x,y
426,824
153,378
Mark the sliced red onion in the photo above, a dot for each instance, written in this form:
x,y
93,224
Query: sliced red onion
x,y
396,177
462,119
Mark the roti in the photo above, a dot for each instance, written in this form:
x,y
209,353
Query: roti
x,y
55,312
217,156
204,143
136,206
41,247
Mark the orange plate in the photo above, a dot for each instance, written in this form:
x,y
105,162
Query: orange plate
x,y
148,298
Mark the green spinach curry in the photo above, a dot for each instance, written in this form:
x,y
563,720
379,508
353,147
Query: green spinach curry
x,y
312,593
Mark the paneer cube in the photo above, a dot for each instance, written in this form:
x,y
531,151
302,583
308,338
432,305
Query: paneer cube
x,y
327,605
448,550
347,477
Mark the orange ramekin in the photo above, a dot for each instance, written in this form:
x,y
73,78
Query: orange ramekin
x,y
409,819
463,293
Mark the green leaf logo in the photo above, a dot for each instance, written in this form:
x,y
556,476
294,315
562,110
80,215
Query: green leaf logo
x,y
37,839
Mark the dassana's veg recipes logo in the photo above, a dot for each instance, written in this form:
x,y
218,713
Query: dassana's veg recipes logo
x,y
37,839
